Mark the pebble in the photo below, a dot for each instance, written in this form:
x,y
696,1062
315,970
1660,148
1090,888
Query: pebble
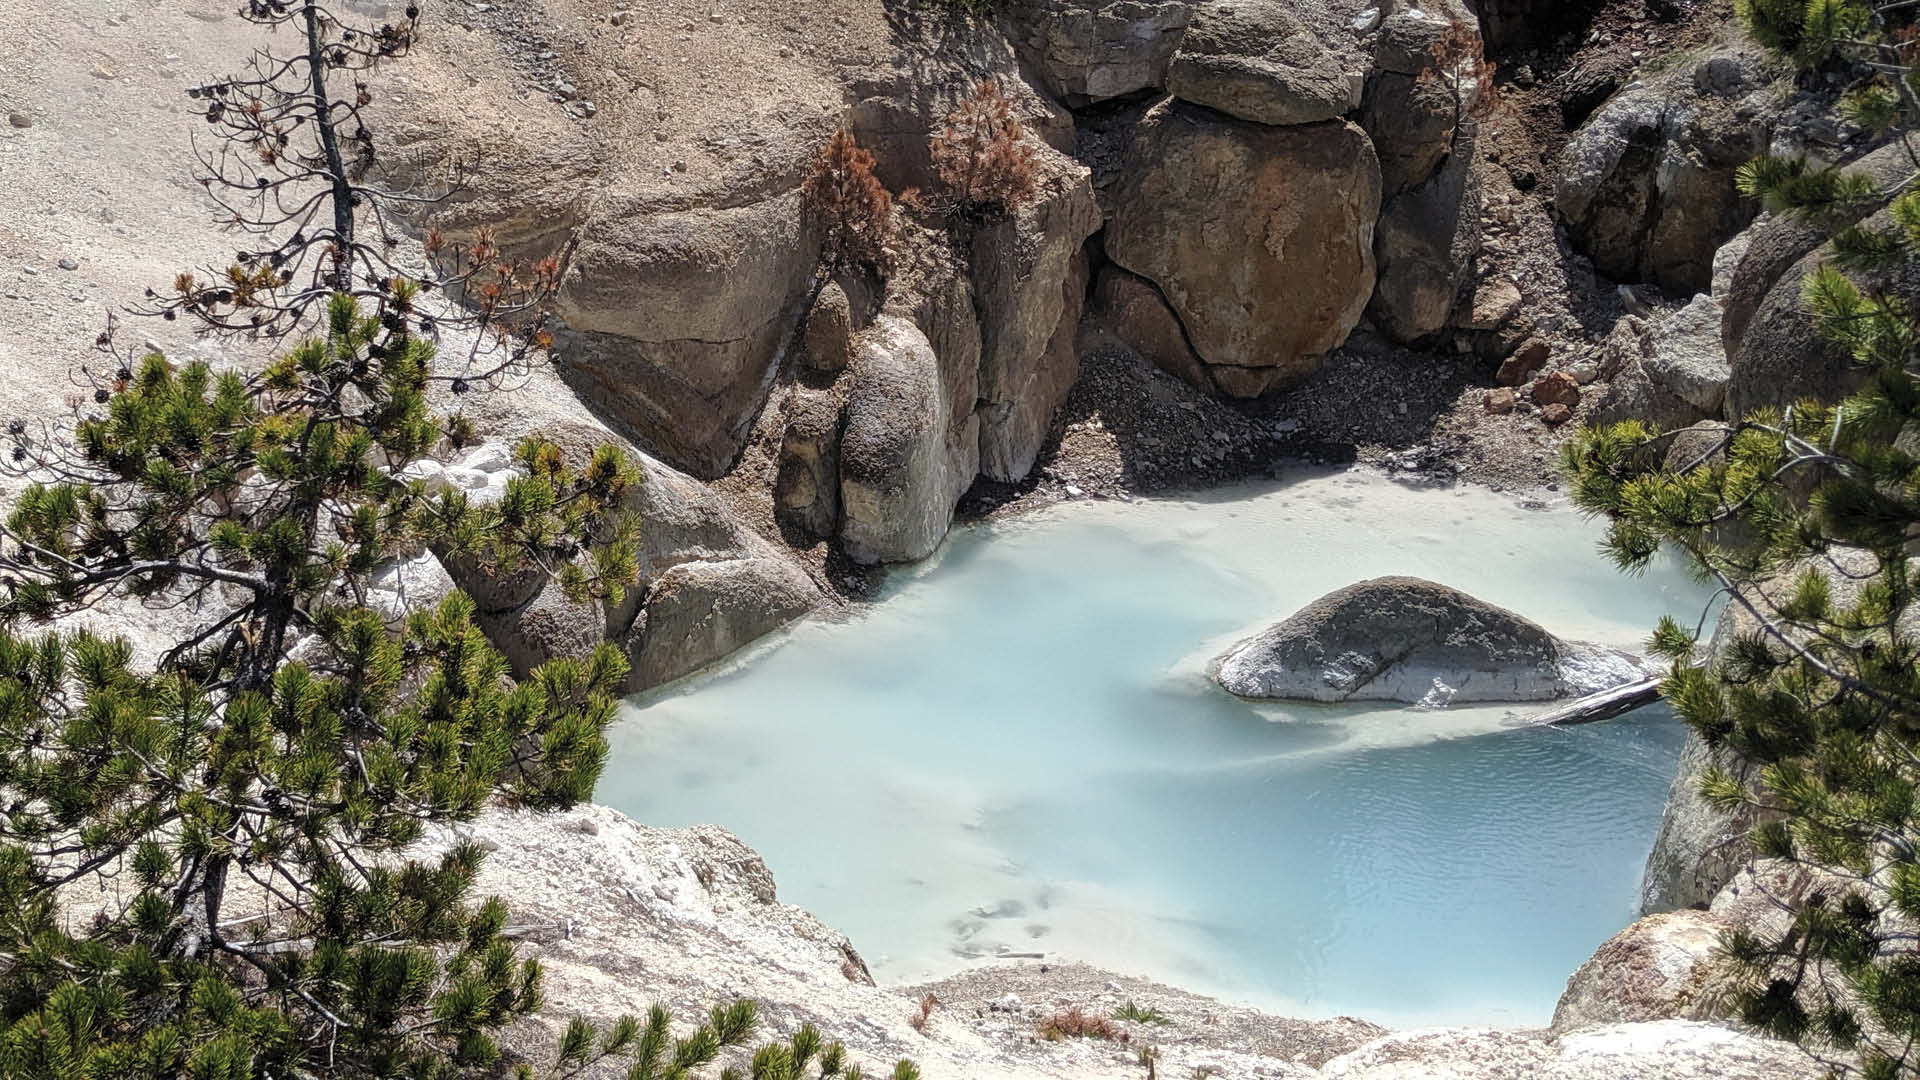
x,y
20,120
1074,492
69,263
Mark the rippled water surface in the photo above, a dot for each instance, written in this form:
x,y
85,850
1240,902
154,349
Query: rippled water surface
x,y
1019,751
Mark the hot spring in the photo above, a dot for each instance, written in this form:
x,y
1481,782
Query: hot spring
x,y
1018,751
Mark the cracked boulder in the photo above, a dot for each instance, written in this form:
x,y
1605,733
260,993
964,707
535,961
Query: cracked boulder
x,y
1414,641
1260,238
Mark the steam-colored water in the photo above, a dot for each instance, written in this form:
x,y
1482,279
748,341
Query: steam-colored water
x,y
1019,751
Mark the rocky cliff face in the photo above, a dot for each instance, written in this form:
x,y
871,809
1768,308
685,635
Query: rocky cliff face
x,y
624,916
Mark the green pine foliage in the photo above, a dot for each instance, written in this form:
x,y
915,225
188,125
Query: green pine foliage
x,y
1822,692
211,863
1811,32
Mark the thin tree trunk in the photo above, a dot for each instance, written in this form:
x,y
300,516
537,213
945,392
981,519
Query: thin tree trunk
x,y
342,194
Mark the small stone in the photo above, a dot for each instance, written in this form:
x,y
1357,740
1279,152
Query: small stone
x,y
619,18
19,120
1499,401
1556,414
1074,492
69,263
680,166
1585,372
1526,360
101,71
1556,388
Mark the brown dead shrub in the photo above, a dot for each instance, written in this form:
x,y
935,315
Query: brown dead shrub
x,y
983,155
845,196
1074,1024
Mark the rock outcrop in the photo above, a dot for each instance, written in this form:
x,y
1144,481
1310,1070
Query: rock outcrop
x,y
1776,355
1699,847
1672,371
1659,968
1409,640
1646,186
910,446
1663,1050
1260,238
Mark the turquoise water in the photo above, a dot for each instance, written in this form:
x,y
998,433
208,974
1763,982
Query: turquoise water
x,y
1018,751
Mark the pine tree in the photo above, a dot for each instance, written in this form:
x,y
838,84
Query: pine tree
x,y
204,864
1822,694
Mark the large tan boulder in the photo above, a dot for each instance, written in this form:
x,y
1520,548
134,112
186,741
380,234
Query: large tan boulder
x,y
1260,238
1659,968
676,318
910,446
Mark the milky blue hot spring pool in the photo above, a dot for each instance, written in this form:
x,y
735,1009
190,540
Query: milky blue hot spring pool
x,y
1018,751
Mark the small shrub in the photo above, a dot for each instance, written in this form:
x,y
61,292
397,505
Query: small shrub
x,y
1135,1014
1074,1024
1459,62
983,155
923,1013
843,193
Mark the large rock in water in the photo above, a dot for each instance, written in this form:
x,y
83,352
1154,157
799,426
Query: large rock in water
x,y
1260,238
1410,640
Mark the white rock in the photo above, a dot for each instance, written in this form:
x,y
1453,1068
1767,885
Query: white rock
x,y
488,458
401,588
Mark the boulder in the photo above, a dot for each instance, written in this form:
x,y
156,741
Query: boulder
x,y
1526,360
806,488
1409,640
1260,238
1656,969
1091,50
827,343
1424,246
1029,279
673,320
688,532
1688,359
910,446
1555,413
1494,302
1499,400
1258,60
1646,185
1657,1050
698,612
408,585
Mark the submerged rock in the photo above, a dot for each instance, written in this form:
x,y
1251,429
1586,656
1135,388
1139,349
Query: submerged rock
x,y
1410,640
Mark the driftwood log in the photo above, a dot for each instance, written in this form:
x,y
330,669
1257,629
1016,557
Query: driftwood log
x,y
1604,705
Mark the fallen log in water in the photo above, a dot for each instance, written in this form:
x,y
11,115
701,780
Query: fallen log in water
x,y
1604,705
